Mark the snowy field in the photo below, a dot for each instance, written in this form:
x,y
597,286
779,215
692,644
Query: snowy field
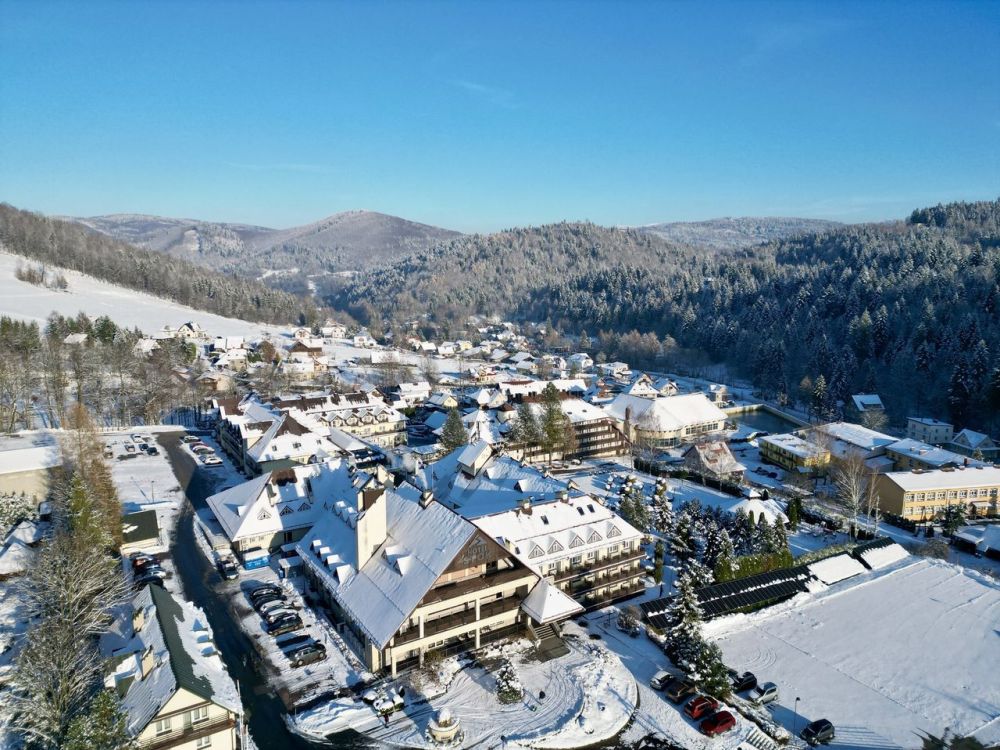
x,y
128,308
912,647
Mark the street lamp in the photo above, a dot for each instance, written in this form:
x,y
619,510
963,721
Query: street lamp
x,y
795,721
152,490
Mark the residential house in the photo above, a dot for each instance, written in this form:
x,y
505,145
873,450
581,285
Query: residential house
x,y
174,689
717,393
923,495
714,460
442,401
75,339
580,361
975,444
333,330
413,394
929,430
190,330
279,507
614,369
364,341
861,404
846,440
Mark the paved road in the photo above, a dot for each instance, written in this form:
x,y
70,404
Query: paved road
x,y
199,581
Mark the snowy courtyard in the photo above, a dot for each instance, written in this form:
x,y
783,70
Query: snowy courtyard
x,y
912,647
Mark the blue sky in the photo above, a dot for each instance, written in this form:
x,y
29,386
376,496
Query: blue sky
x,y
484,115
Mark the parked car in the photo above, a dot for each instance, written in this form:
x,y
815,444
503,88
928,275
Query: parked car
x,y
227,568
262,601
292,642
190,439
701,706
661,679
263,590
153,451
108,453
718,723
678,690
211,461
287,624
146,580
766,693
819,731
274,615
271,606
137,438
144,447
308,654
741,682
129,448
202,450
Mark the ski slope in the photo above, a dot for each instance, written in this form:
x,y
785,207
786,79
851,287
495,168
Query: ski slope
x,y
126,307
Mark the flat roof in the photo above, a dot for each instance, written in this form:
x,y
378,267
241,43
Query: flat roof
x,y
973,476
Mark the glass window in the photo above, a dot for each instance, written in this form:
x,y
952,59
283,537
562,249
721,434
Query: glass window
x,y
199,714
203,742
162,726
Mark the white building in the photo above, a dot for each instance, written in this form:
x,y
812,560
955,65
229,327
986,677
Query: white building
x,y
667,422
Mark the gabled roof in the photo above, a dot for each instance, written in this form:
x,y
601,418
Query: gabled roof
x,y
665,414
421,543
714,456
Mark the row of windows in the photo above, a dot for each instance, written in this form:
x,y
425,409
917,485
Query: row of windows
x,y
950,494
191,718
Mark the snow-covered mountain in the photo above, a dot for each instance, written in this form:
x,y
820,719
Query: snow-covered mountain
x,y
347,241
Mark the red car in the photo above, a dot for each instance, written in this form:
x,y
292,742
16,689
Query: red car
x,y
701,705
718,723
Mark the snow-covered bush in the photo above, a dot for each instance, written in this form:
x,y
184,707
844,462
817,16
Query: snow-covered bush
x,y
509,688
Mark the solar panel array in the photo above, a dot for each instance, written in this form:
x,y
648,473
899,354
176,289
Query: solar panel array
x,y
655,612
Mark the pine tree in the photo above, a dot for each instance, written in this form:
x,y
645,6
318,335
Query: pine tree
x,y
101,727
453,435
681,540
764,539
661,511
794,512
708,671
725,561
684,634
553,423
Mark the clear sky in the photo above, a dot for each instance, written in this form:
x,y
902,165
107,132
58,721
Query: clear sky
x,y
483,115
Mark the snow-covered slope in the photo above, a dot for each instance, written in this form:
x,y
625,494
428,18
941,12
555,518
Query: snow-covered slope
x,y
19,299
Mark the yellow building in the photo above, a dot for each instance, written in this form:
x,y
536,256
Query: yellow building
x,y
793,453
923,495
174,689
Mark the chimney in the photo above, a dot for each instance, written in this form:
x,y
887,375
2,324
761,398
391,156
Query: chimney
x,y
564,496
426,498
526,505
371,526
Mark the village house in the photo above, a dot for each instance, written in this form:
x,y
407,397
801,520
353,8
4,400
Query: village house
x,y
333,330
174,689
929,430
923,495
714,460
861,404
407,577
364,341
412,394
975,444
580,361
618,370
279,507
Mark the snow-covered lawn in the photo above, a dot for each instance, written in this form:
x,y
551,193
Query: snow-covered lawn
x,y
912,647
589,698
128,308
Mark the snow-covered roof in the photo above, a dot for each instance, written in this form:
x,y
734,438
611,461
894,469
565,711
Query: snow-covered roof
x,y
546,603
714,456
519,388
15,557
882,556
666,413
867,401
183,655
929,454
972,439
551,530
283,499
794,444
935,479
28,451
501,484
288,438
856,435
421,543
836,568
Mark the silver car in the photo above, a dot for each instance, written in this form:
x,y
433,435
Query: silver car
x,y
765,693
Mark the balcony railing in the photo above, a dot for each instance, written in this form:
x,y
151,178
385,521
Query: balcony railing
x,y
576,571
188,733
466,617
476,583
599,582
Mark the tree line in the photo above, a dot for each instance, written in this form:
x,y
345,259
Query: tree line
x,y
52,242
908,309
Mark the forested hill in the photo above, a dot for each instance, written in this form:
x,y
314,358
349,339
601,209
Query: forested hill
x,y
61,243
736,233
908,309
